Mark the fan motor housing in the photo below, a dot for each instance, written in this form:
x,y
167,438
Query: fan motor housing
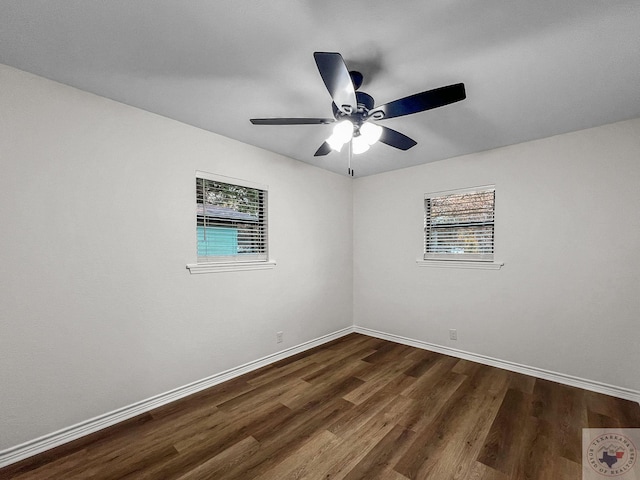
x,y
364,100
365,103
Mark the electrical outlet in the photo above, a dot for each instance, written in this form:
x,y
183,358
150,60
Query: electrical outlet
x,y
453,334
279,337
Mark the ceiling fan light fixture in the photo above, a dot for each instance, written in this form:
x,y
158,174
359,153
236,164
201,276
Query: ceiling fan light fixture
x,y
342,133
359,145
371,132
334,143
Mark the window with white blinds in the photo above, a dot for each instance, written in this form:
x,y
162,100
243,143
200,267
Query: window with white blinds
x,y
231,220
459,224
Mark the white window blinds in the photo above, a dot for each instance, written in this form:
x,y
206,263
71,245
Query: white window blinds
x,y
231,221
459,225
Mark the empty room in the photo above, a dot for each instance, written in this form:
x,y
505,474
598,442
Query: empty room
x,y
319,240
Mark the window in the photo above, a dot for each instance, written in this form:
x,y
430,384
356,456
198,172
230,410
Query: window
x,y
459,224
231,220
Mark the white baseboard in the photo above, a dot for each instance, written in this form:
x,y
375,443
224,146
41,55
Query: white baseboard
x,y
68,434
570,380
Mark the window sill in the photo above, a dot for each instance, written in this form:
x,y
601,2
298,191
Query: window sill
x,y
196,268
460,264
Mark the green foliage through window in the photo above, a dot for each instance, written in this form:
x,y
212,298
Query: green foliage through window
x,y
231,222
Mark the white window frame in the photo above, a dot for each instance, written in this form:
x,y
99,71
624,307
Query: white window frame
x,y
229,264
476,261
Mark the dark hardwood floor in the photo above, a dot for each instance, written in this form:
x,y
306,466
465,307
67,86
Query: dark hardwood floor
x,y
356,408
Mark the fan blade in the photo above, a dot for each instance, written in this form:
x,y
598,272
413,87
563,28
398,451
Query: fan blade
x,y
420,102
324,149
396,139
291,121
336,78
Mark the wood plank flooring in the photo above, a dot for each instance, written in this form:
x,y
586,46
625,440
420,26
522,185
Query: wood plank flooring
x,y
356,408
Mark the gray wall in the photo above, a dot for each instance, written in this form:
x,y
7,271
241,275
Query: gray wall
x,y
97,211
568,231
97,309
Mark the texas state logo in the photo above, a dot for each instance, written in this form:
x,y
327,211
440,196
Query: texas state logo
x,y
610,454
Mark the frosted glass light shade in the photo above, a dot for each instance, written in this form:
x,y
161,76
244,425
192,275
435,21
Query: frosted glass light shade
x,y
335,143
342,133
371,132
359,145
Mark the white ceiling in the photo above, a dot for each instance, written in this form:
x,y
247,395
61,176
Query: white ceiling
x,y
531,69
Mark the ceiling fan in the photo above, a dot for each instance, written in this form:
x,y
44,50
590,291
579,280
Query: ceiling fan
x,y
354,112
